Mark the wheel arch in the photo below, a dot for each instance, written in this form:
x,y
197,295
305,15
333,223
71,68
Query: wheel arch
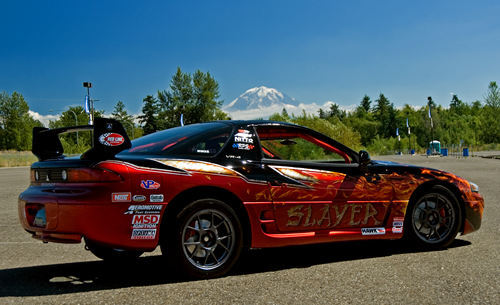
x,y
450,187
200,192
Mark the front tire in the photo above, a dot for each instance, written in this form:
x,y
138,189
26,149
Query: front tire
x,y
205,240
434,219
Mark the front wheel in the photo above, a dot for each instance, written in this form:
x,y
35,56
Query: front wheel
x,y
205,240
434,219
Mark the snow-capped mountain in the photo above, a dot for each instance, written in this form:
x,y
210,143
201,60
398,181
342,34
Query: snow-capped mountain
x,y
261,102
260,98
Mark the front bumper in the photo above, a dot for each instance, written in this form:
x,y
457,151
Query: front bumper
x,y
474,208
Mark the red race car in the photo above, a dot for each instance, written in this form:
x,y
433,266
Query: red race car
x,y
206,192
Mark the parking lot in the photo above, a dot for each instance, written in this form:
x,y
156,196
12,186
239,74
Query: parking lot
x,y
388,272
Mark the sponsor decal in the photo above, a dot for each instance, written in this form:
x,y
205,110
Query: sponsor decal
x,y
373,231
243,133
243,136
243,140
156,198
397,225
144,209
398,230
111,139
398,221
120,197
139,198
150,184
145,221
233,157
143,234
243,146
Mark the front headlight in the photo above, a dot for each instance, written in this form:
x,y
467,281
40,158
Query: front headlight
x,y
473,187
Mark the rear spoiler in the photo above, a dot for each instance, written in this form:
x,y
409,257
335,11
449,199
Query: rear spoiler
x,y
109,138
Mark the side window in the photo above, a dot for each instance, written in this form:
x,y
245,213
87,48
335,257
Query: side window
x,y
289,145
207,144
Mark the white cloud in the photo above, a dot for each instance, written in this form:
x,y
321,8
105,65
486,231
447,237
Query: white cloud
x,y
44,118
297,110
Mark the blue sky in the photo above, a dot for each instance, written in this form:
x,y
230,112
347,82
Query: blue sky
x,y
314,51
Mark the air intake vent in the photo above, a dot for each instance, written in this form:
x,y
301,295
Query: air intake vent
x,y
49,175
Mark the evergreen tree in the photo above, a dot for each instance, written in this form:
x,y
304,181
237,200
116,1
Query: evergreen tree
x,y
457,106
336,112
16,123
120,113
490,126
366,103
492,98
385,114
149,118
195,97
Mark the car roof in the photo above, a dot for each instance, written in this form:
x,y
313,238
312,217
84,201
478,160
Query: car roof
x,y
257,123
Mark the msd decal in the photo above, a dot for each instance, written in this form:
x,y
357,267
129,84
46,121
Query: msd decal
x,y
111,139
150,184
373,231
145,221
120,197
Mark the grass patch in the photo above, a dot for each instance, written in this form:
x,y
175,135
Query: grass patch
x,y
12,158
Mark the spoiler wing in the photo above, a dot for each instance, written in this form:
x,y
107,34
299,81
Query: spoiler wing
x,y
109,138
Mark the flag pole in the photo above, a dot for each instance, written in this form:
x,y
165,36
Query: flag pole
x,y
409,136
432,125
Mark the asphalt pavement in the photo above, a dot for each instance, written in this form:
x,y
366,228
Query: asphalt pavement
x,y
379,272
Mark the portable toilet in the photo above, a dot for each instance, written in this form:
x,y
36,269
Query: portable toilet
x,y
435,146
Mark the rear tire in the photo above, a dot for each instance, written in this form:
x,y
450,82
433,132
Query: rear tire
x,y
110,254
433,220
204,240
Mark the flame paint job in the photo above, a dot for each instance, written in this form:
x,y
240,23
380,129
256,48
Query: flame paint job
x,y
286,203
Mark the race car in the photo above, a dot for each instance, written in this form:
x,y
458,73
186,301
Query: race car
x,y
207,192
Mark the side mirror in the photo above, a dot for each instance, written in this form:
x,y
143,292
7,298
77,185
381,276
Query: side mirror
x,y
364,159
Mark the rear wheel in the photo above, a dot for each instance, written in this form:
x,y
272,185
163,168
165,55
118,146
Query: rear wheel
x,y
434,219
111,254
205,240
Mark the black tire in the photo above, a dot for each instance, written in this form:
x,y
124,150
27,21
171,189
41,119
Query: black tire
x,y
110,254
433,219
204,240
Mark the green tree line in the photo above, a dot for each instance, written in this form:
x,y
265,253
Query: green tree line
x,y
372,125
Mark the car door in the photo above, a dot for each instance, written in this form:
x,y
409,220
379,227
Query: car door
x,y
316,185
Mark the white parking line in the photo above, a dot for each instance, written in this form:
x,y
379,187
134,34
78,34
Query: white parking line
x,y
19,242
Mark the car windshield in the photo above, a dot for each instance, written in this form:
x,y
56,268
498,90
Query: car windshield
x,y
197,139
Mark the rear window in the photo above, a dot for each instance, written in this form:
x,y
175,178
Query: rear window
x,y
205,139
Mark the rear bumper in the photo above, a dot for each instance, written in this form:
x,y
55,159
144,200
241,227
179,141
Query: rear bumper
x,y
106,223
